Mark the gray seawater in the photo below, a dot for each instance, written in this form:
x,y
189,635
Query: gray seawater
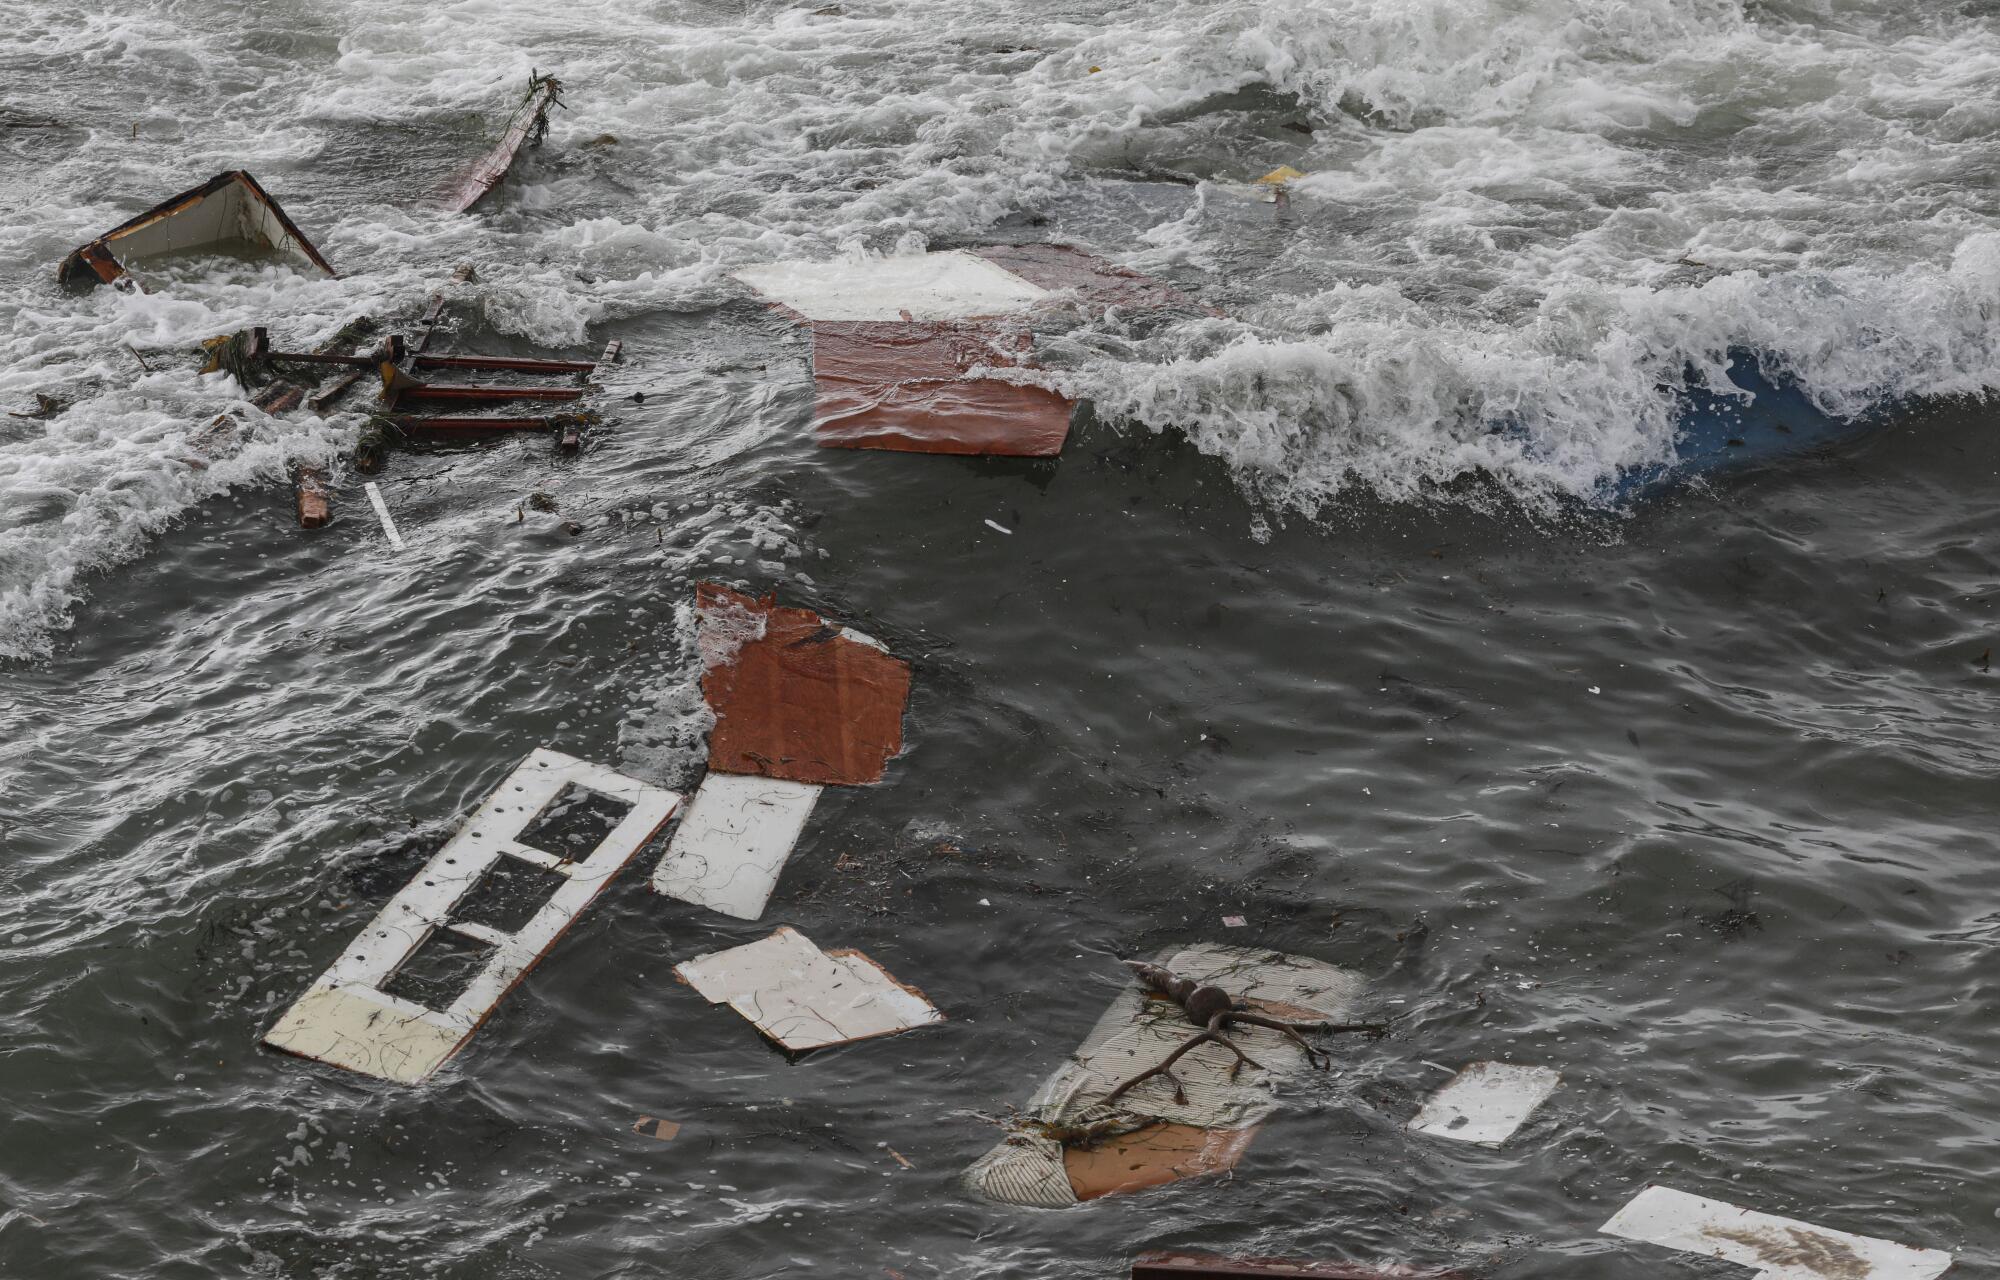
x,y
1692,797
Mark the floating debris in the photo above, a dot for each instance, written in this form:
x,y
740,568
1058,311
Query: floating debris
x,y
1778,1248
310,497
732,844
901,344
46,406
654,1127
526,127
803,998
1075,1143
804,699
229,208
1486,1102
799,703
350,1019
382,513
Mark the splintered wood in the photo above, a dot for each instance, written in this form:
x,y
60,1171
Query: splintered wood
x,y
348,1020
525,128
803,998
1778,1248
803,700
1070,1147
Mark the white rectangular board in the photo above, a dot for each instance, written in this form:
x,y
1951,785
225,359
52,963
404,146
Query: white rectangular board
x,y
347,1020
1486,1102
1778,1248
928,286
733,842
804,998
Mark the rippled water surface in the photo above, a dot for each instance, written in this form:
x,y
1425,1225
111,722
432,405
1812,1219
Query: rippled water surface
x,y
1340,613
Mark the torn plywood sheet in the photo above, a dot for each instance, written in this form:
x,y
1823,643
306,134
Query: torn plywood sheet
x,y
1174,1265
1486,1102
1070,272
794,696
1779,1248
927,286
525,128
803,998
1071,1147
229,208
733,842
911,388
348,1019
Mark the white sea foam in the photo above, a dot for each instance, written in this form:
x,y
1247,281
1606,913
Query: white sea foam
x,y
1538,215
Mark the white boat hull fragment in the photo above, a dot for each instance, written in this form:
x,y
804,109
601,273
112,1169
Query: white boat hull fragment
x,y
733,842
1777,1248
1486,1102
933,286
803,998
347,1020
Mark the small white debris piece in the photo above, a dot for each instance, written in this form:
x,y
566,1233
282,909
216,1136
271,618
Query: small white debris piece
x,y
1486,1102
1235,922
347,1020
733,842
382,514
927,286
804,998
1779,1248
997,527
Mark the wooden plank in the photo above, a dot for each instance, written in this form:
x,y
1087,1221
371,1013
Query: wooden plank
x,y
1174,1265
525,127
382,513
507,364
347,1020
910,388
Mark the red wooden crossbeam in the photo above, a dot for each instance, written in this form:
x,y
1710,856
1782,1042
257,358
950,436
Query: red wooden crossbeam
x,y
508,364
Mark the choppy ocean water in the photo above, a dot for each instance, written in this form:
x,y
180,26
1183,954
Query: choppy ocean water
x,y
1340,613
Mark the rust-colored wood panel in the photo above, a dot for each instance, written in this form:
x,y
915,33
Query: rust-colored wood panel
x,y
1154,1155
803,701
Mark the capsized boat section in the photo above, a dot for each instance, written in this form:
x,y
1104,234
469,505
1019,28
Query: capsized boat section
x,y
230,208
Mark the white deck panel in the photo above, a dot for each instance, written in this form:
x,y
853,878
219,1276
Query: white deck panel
x,y
1486,1102
733,842
1778,1248
804,998
382,514
1137,1032
345,1019
930,286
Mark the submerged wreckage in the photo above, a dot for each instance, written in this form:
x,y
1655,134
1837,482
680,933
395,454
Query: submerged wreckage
x,y
229,210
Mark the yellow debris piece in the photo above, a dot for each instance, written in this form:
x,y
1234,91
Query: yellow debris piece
x,y
1279,176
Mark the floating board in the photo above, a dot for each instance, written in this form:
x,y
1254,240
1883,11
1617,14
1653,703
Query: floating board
x,y
347,1020
1486,1102
1166,1139
1778,1248
910,388
928,286
801,699
803,998
733,842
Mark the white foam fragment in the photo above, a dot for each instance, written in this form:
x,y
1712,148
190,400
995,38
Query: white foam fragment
x,y
382,514
930,286
733,843
1778,1248
348,1020
804,998
1486,1102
